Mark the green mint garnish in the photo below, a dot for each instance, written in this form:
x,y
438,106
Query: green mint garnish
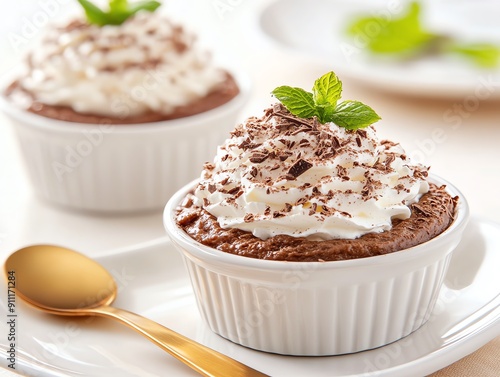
x,y
119,11
406,37
323,104
353,115
298,99
482,54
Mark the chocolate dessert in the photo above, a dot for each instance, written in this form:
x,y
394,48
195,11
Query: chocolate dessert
x,y
147,69
429,218
218,96
294,187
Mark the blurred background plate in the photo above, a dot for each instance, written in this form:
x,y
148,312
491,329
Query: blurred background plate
x,y
317,28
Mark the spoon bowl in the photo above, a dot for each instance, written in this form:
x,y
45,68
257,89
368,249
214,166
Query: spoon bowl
x,y
64,282
41,271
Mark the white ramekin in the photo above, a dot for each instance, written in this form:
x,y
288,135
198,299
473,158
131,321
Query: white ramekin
x,y
119,168
317,308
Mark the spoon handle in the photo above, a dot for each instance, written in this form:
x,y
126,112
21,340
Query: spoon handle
x,y
204,360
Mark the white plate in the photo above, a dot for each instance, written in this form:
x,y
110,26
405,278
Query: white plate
x,y
153,282
317,28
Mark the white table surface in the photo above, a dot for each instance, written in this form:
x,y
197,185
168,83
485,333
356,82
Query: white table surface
x,y
468,156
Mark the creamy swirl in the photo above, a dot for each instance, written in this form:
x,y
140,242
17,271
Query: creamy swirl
x,y
280,174
146,64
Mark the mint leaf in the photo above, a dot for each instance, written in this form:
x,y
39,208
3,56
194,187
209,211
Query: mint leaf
x,y
149,6
353,115
483,54
119,11
404,35
123,11
322,103
118,5
324,113
359,25
327,90
299,102
94,14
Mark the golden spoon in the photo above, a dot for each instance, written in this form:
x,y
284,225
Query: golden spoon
x,y
63,282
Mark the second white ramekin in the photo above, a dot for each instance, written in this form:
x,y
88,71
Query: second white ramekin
x,y
119,168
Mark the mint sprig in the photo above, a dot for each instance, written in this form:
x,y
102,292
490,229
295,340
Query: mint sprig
x,y
406,37
484,55
119,11
323,104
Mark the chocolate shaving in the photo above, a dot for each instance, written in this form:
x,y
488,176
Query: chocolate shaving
x,y
362,133
288,177
341,171
304,143
347,214
358,141
390,159
420,174
187,202
420,209
209,166
300,201
258,157
285,142
325,210
291,118
301,130
234,190
388,143
284,156
300,167
244,144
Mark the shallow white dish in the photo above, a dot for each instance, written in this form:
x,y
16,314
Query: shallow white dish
x,y
153,282
317,28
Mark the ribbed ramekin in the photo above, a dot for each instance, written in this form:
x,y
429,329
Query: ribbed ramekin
x,y
119,168
317,308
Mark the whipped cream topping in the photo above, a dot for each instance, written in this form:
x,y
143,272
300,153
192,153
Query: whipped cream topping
x,y
280,174
146,64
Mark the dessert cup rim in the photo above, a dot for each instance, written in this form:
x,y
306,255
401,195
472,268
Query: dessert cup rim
x,y
22,115
214,256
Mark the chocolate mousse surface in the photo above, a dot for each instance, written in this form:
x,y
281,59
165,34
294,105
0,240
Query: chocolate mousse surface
x,y
433,214
218,96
